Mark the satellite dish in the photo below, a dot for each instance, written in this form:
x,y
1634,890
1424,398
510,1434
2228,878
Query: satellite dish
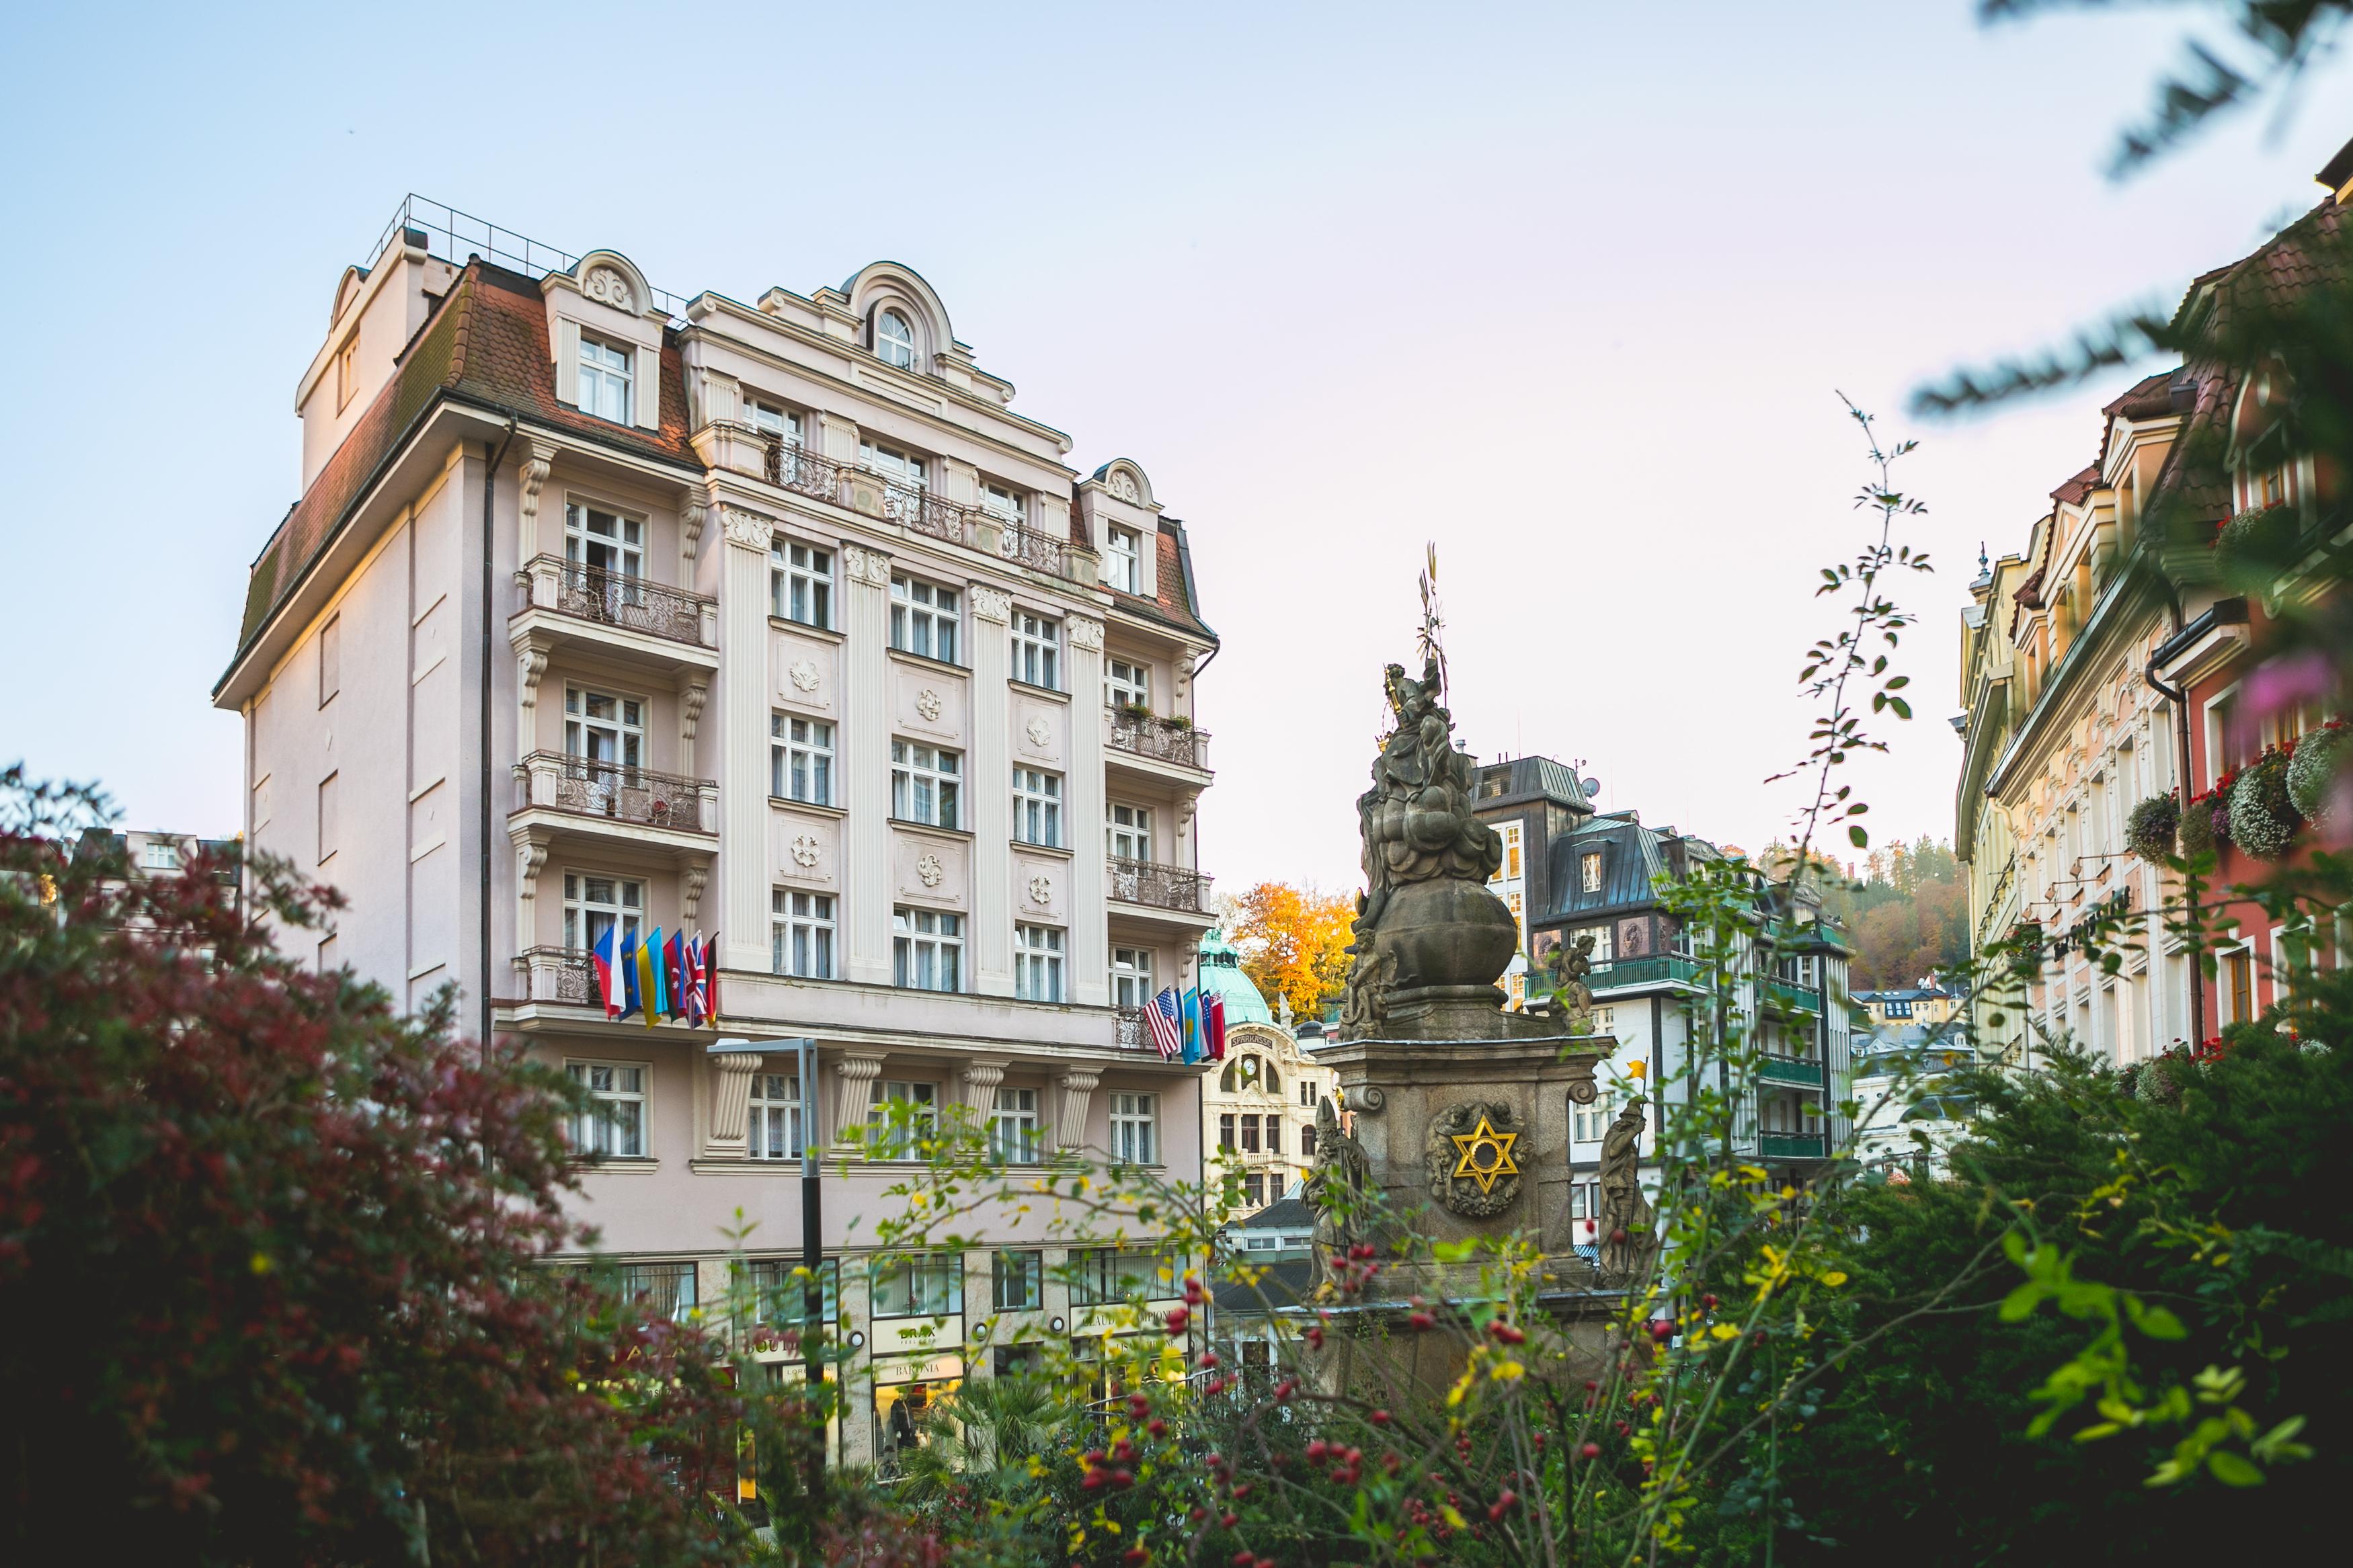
x,y
1592,787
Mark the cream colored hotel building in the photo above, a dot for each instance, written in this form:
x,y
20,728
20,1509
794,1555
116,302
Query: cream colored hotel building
x,y
605,608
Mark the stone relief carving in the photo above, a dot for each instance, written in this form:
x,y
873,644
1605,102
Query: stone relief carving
x,y
693,697
1338,1186
1122,485
532,664
749,529
804,851
928,867
991,604
608,286
1085,632
927,703
691,515
1467,1152
1041,891
1040,732
803,674
859,564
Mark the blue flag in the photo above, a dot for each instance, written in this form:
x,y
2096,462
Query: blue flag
x,y
657,997
1192,1025
629,998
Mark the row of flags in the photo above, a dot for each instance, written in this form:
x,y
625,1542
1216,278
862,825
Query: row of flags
x,y
1187,1024
675,979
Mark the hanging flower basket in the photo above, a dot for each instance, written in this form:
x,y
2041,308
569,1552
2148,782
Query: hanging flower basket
x,y
2255,547
2262,822
2313,767
2148,832
2196,828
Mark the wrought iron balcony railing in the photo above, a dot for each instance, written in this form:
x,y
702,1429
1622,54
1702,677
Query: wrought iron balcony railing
x,y
1161,887
558,974
1134,1035
1180,743
616,599
584,787
916,508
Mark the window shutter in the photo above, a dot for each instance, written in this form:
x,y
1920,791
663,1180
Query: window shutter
x,y
567,362
646,386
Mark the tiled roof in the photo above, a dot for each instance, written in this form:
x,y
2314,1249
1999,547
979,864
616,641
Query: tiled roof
x,y
2073,493
1171,603
486,343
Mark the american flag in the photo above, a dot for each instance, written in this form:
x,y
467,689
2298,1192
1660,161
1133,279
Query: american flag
x,y
1161,1016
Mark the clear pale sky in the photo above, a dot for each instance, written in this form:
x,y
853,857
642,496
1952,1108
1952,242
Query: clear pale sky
x,y
1568,289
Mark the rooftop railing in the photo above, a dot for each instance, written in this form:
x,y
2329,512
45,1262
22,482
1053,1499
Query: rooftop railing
x,y
455,236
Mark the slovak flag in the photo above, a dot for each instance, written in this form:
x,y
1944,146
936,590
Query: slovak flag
x,y
600,958
1161,1018
1213,1025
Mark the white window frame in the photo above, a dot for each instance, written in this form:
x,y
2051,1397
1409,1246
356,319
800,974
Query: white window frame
x,y
1123,559
1038,963
1135,832
896,349
927,619
1134,1127
1005,504
900,467
607,383
773,1131
926,943
347,371
1591,871
625,546
1131,976
772,418
1036,808
1027,1268
804,933
800,583
922,1122
1015,1134
1589,1122
586,914
159,855
1126,685
927,782
801,759
1037,650
599,1130
604,726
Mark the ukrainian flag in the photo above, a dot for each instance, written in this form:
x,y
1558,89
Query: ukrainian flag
x,y
649,986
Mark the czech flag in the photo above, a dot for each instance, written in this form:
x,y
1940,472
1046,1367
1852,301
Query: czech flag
x,y
650,977
600,958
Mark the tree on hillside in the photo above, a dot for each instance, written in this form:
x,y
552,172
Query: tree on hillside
x,y
1294,942
1909,917
271,1277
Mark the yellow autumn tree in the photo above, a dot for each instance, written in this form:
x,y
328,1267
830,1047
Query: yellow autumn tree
x,y
1294,942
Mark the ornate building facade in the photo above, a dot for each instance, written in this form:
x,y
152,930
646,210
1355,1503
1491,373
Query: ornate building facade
x,y
605,610
1258,1106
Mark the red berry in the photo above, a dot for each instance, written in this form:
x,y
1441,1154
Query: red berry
x,y
1421,1321
1591,1450
1178,1317
1229,1520
1380,1418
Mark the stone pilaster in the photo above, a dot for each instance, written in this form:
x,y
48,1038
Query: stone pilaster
x,y
865,756
853,1099
742,912
981,1077
991,793
1090,955
1078,1086
730,1102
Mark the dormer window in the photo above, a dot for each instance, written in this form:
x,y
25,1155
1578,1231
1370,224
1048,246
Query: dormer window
x,y
347,371
1123,559
894,339
604,380
1004,505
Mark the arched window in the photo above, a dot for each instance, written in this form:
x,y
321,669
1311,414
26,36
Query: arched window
x,y
894,339
1274,1084
1226,1080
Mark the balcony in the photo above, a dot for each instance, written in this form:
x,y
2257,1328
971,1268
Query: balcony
x,y
1158,740
1158,887
1664,969
1791,1070
1134,1033
560,793
1789,1145
797,468
559,974
1790,996
625,602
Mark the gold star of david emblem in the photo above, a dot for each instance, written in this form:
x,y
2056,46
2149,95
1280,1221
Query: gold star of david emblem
x,y
1486,1154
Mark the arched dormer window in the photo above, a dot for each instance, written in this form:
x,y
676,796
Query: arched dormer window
x,y
1272,1082
894,339
1226,1080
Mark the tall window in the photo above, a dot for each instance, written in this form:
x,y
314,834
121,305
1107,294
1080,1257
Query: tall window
x,y
775,1127
1274,1134
1038,807
1019,1282
604,541
924,618
1013,1135
929,1285
1127,684
1250,1134
666,1289
1508,870
1037,650
1131,976
1590,1122
600,727
802,928
1589,871
1130,832
781,1287
1104,1276
927,950
1124,559
923,783
1004,505
894,339
347,371
772,419
800,583
904,1114
604,380
594,905
801,759
611,1123
899,467
1136,1128
331,659
1226,1130
1038,963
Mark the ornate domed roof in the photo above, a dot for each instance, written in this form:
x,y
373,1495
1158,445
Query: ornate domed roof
x,y
1222,976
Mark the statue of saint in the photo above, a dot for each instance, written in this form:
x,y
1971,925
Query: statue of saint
x,y
1627,1241
1339,1185
1574,994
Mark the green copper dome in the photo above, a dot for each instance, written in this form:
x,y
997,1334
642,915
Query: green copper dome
x,y
1222,976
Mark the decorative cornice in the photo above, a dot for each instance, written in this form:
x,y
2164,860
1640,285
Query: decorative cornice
x,y
1085,632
